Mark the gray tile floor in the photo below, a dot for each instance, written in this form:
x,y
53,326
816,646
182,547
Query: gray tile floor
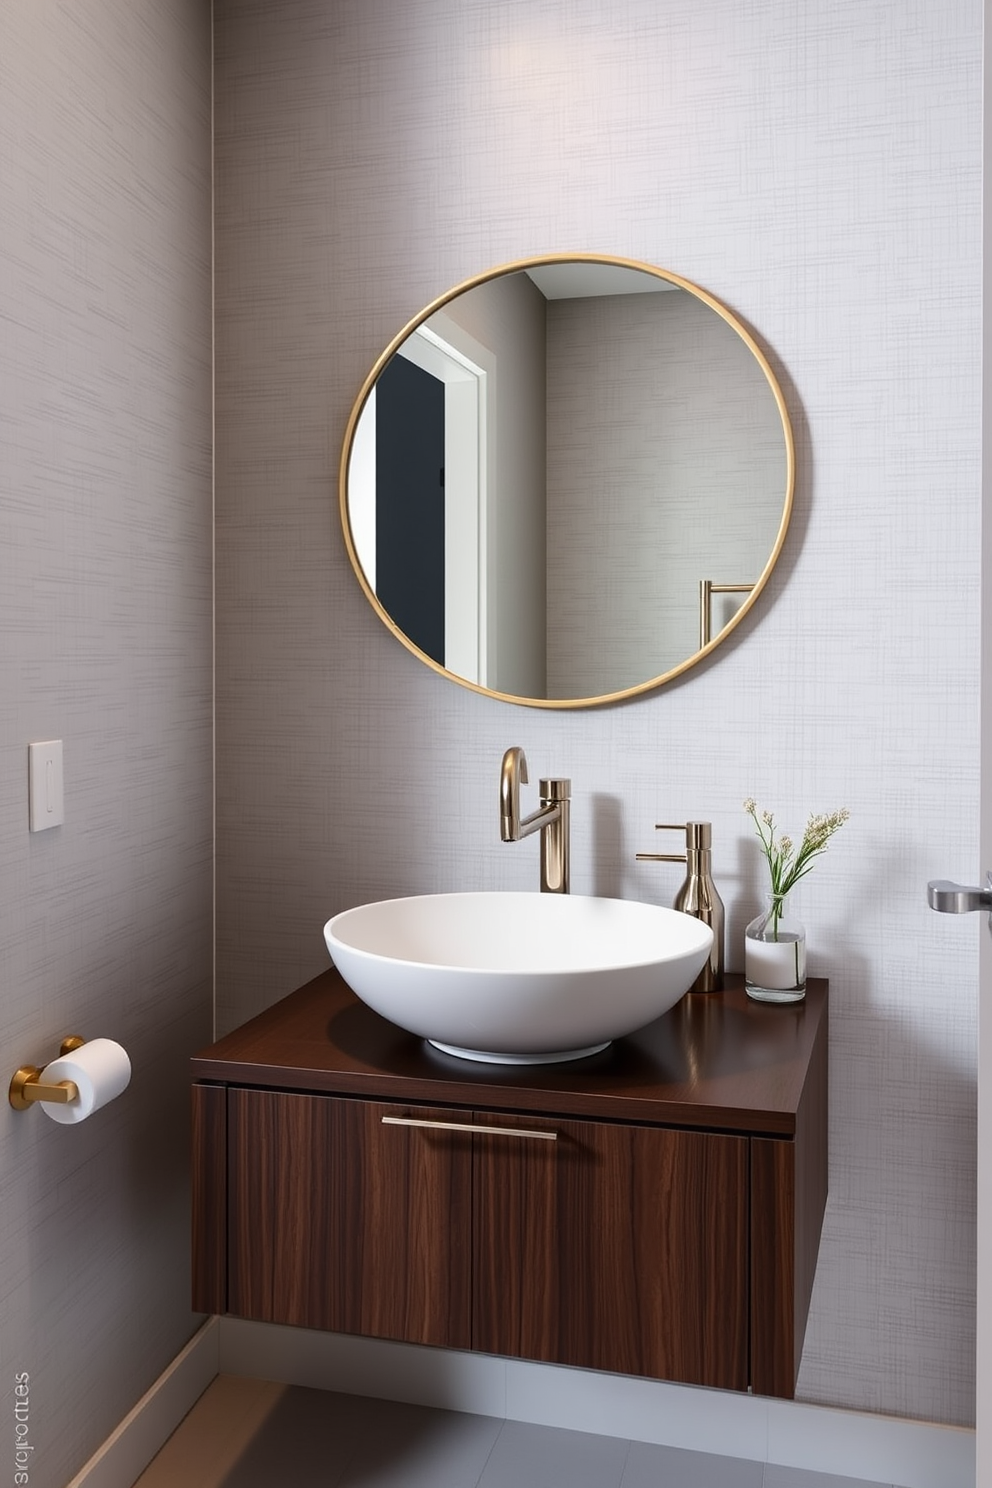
x,y
252,1434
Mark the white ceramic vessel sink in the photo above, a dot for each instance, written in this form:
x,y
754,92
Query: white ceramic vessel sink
x,y
518,978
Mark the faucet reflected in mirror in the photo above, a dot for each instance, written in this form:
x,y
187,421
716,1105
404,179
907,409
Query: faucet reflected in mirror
x,y
551,819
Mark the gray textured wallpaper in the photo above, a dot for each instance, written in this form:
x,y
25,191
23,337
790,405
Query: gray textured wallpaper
x,y
105,643
818,169
666,465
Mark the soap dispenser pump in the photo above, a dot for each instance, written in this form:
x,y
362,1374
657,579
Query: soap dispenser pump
x,y
697,896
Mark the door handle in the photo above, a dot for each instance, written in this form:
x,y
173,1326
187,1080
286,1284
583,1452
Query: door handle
x,y
954,898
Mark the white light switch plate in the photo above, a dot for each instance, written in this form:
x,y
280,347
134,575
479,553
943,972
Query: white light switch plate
x,y
45,805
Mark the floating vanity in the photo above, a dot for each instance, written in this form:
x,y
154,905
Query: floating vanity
x,y
652,1210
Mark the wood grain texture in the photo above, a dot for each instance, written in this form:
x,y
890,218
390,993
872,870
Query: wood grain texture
x,y
339,1222
712,1061
656,1248
614,1247
773,1267
209,1198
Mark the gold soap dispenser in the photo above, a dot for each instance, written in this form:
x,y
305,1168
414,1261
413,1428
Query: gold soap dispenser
x,y
697,896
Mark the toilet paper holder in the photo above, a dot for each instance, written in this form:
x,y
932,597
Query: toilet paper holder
x,y
26,1086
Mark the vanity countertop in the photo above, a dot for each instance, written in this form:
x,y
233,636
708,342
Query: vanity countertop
x,y
716,1060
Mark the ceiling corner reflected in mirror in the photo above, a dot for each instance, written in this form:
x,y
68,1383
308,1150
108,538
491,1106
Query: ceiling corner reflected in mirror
x,y
567,480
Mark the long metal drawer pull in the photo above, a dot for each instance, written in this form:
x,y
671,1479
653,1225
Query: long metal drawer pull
x,y
493,1131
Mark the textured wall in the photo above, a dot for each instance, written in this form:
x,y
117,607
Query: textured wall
x,y
818,169
666,465
105,595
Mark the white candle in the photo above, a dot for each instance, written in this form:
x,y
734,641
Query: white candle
x,y
777,964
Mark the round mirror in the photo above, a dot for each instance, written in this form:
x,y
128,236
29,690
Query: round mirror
x,y
567,480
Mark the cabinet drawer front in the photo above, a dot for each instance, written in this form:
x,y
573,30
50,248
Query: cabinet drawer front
x,y
338,1221
615,1247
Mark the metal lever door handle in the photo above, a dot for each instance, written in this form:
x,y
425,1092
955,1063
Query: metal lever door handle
x,y
954,898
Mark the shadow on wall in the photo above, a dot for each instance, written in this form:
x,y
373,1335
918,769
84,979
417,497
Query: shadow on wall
x,y
908,1150
911,1152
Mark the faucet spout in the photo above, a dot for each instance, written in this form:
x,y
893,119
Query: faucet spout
x,y
513,774
551,819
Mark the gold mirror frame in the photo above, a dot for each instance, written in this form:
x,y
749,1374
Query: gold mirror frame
x,y
753,591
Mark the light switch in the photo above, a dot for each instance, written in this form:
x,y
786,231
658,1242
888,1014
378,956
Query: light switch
x,y
45,807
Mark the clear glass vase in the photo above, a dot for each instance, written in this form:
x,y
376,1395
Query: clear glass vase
x,y
775,954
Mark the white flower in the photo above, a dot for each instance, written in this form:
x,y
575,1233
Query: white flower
x,y
785,865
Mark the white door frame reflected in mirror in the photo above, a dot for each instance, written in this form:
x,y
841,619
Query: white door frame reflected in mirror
x,y
465,483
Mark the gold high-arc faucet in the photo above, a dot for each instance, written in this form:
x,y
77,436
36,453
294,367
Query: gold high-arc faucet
x,y
551,819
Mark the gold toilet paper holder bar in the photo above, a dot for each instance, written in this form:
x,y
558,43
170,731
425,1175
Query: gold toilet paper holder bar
x,y
26,1085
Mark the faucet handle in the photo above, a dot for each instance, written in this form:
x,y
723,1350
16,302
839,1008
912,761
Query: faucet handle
x,y
698,834
664,857
555,790
698,837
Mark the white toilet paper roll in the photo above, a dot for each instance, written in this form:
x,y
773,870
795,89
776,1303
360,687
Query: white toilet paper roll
x,y
100,1070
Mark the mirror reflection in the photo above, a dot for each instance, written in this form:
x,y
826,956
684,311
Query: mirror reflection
x,y
546,466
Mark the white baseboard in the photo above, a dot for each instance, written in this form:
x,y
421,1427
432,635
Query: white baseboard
x,y
131,1446
881,1449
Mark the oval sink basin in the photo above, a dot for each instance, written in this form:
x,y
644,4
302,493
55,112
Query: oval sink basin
x,y
518,978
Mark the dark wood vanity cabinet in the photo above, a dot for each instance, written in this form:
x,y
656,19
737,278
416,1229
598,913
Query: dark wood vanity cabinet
x,y
614,1247
610,1246
654,1210
340,1222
